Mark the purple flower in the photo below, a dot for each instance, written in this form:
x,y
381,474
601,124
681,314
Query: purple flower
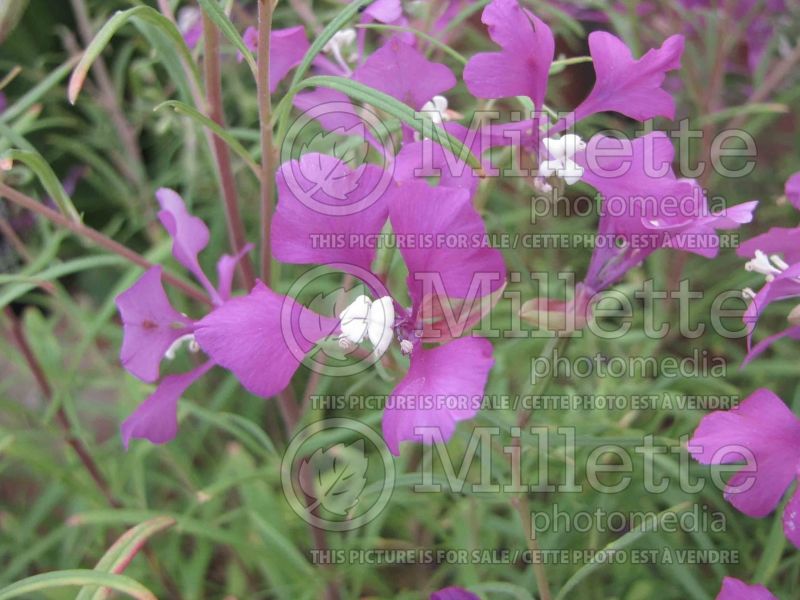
x,y
735,589
321,199
454,593
287,47
776,256
644,207
401,71
623,84
522,67
153,330
765,434
629,86
190,24
793,190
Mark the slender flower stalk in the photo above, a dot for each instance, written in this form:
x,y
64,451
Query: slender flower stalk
x,y
265,8
21,340
213,76
95,237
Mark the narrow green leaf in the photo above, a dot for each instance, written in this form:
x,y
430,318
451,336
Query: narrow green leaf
x,y
394,107
48,179
348,12
619,543
228,29
103,37
36,93
76,577
281,113
197,116
121,552
11,12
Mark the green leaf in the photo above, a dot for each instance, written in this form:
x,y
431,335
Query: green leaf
x,y
76,577
48,179
228,29
36,93
197,116
22,284
138,14
11,12
121,552
395,108
325,36
622,542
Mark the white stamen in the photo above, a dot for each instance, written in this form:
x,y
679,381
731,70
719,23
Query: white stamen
x,y
406,347
561,164
187,339
340,40
436,109
748,293
365,318
779,262
761,264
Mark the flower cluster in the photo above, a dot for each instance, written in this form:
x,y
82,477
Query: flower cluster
x,y
263,337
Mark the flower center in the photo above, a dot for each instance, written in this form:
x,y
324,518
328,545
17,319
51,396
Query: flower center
x,y
769,266
436,108
560,163
364,318
340,41
188,340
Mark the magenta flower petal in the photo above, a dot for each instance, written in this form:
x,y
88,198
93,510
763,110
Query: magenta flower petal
x,y
793,190
791,519
287,47
735,589
429,159
759,348
156,419
226,266
262,338
444,385
150,325
778,240
334,111
522,67
450,241
629,86
454,593
385,11
189,235
765,427
327,212
403,72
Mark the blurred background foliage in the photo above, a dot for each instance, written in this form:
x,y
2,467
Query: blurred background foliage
x,y
233,535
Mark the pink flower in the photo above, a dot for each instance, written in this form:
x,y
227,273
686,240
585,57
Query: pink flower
x,y
522,67
153,330
763,432
287,47
262,338
735,589
776,256
644,207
